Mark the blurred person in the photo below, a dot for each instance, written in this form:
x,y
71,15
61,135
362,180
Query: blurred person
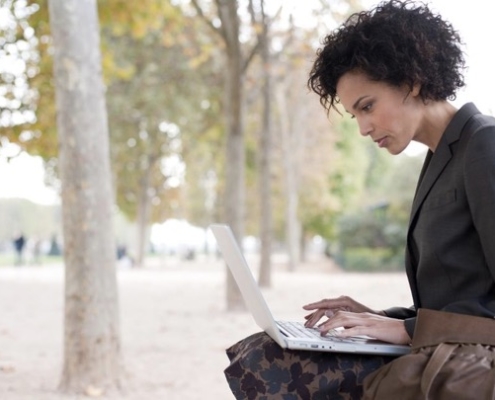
x,y
19,245
34,250
394,69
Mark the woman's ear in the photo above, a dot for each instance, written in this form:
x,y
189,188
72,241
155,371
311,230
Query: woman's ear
x,y
415,90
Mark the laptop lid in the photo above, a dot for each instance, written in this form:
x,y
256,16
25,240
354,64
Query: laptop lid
x,y
262,315
245,281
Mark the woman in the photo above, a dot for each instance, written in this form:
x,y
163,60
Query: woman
x,y
394,69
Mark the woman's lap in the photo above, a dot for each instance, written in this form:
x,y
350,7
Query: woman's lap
x,y
260,369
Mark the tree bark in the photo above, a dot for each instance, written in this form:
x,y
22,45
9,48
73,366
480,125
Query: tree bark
x,y
235,158
265,162
143,214
290,149
92,359
229,30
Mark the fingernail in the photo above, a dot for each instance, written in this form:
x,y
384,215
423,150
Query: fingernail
x,y
329,313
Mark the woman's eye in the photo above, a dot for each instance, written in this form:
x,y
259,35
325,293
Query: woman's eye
x,y
367,107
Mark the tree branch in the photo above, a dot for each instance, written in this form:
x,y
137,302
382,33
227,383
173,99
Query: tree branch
x,y
266,24
208,22
251,55
223,27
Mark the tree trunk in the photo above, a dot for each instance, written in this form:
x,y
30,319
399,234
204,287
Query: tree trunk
x,y
92,359
290,164
265,164
235,158
143,215
293,226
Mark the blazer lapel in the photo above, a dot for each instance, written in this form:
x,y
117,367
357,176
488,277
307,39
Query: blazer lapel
x,y
436,163
433,167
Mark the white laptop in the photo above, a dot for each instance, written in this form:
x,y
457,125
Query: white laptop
x,y
292,335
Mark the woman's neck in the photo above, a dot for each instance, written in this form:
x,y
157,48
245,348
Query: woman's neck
x,y
437,116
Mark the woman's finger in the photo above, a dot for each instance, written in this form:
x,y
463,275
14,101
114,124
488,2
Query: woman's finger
x,y
341,303
314,318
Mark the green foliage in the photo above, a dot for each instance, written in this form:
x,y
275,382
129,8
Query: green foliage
x,y
345,182
365,259
374,237
133,18
21,66
164,92
164,68
8,259
153,59
374,228
380,164
348,177
372,193
142,118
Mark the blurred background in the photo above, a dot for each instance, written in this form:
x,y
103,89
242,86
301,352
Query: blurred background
x,y
164,68
209,120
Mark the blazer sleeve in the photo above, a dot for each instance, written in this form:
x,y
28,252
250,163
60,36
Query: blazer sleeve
x,y
406,314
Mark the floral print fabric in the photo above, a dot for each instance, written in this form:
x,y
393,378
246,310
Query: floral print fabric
x,y
261,370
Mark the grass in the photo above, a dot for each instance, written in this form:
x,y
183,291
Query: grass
x,y
8,259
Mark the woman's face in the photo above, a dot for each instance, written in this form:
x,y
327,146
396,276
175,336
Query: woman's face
x,y
390,115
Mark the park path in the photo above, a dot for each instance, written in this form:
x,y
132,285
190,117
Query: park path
x,y
173,322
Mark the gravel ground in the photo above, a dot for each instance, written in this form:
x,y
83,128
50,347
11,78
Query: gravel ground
x,y
173,323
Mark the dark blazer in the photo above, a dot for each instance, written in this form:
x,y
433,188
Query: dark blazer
x,y
450,254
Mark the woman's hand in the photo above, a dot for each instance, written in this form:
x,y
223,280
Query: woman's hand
x,y
329,307
383,328
357,320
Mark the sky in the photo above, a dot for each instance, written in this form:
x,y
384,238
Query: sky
x,y
24,177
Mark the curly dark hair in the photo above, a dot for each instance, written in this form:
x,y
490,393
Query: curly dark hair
x,y
398,42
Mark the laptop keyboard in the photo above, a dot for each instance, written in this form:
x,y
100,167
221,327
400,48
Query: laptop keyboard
x,y
297,329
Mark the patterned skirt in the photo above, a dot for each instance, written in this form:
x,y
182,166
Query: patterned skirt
x,y
260,369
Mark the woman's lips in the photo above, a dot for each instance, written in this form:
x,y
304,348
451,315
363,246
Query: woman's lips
x,y
381,142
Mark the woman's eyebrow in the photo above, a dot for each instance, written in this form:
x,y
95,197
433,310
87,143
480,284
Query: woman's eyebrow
x,y
356,104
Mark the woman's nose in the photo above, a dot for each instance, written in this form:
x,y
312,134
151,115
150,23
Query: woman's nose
x,y
364,126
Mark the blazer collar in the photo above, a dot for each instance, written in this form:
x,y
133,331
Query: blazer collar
x,y
436,162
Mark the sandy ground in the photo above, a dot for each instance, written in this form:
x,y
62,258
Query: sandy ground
x,y
169,313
